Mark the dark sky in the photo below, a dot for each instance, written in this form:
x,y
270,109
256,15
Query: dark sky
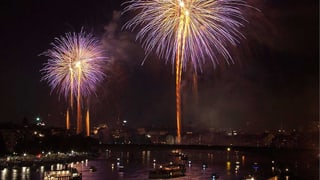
x,y
274,83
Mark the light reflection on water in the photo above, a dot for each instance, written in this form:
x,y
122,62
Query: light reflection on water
x,y
137,163
4,173
14,174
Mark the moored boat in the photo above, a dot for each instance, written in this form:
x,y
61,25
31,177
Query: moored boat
x,y
70,174
168,171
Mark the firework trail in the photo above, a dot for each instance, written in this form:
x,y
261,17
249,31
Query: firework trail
x,y
87,123
74,68
183,31
67,120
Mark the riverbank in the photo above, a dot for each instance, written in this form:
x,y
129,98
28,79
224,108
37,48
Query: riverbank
x,y
42,159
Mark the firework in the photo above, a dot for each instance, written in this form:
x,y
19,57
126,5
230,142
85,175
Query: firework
x,y
88,123
75,67
187,32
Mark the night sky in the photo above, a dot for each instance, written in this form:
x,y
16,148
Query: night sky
x,y
274,82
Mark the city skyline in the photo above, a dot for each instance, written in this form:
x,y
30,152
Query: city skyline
x,y
273,84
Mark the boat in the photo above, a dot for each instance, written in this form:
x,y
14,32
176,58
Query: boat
x,y
68,174
214,176
121,170
168,171
92,169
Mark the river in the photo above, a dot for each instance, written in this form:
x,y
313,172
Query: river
x,y
135,164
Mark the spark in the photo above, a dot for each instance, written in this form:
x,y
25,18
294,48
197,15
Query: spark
x,y
205,27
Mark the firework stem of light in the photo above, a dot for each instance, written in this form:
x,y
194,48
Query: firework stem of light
x,y
87,123
195,86
74,68
183,31
71,87
67,119
79,118
181,40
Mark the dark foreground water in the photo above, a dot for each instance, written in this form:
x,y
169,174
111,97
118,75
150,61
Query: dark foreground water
x,y
135,164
